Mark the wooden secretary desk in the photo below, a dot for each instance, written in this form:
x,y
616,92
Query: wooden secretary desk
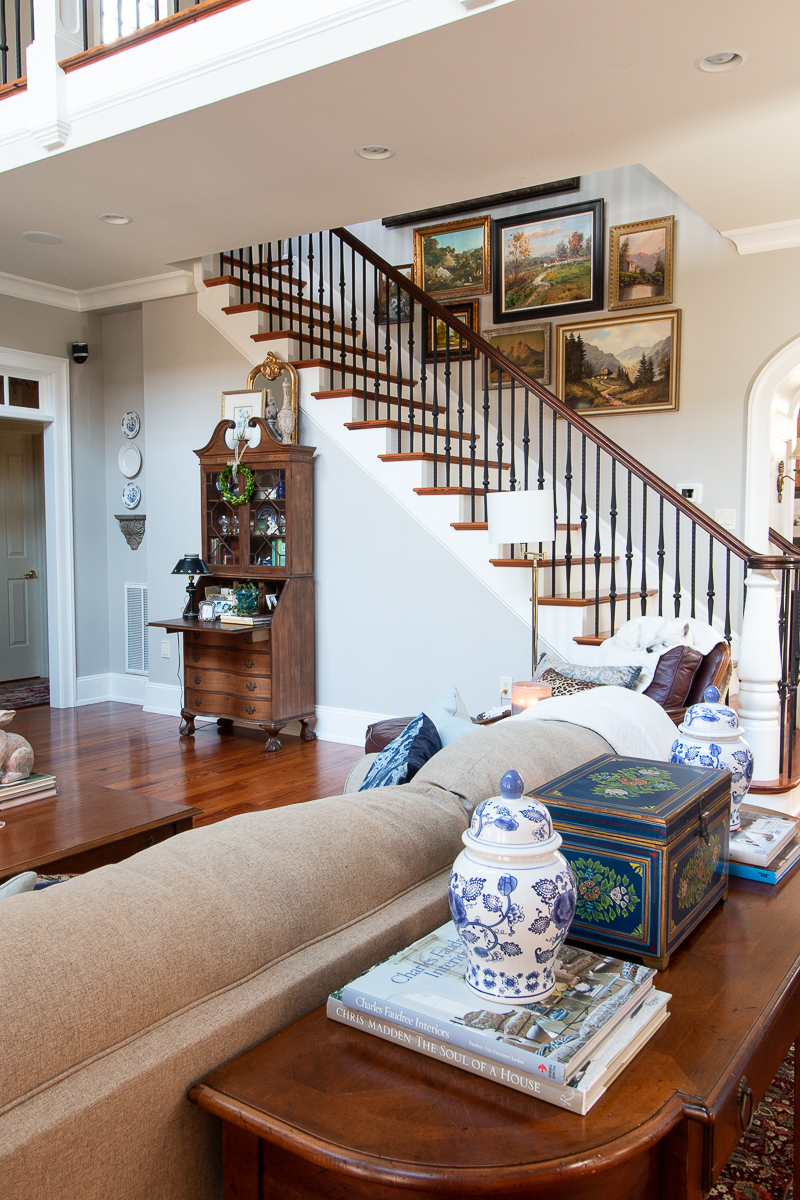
x,y
262,675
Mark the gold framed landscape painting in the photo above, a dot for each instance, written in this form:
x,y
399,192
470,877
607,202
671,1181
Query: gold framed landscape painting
x,y
620,364
526,346
445,335
451,260
640,263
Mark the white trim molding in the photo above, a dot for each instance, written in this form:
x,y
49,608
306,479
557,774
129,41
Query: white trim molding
x,y
122,689
774,396
755,239
110,295
53,416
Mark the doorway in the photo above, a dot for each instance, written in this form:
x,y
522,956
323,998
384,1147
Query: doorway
x,y
772,419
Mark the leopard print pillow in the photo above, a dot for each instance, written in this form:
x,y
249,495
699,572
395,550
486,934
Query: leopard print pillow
x,y
566,687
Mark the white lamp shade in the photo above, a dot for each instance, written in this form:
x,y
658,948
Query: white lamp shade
x,y
521,517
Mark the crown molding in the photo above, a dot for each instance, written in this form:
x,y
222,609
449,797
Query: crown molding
x,y
755,239
112,295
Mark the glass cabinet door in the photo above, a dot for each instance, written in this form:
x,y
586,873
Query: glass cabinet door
x,y
223,540
267,516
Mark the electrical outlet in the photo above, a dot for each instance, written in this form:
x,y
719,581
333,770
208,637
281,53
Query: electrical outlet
x,y
165,650
505,689
693,492
725,517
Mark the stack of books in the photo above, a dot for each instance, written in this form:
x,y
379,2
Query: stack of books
x,y
566,1049
35,787
766,847
227,618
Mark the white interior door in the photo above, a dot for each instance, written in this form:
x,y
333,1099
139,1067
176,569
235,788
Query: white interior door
x,y
23,649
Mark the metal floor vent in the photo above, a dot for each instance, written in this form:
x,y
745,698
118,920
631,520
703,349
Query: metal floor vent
x,y
136,660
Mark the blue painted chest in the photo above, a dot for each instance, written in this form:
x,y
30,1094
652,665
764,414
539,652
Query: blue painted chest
x,y
648,843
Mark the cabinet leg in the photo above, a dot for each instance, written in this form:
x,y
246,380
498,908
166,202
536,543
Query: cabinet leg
x,y
307,734
186,728
224,723
272,743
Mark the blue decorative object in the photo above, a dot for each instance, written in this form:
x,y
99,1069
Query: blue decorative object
x,y
710,737
512,896
131,495
401,759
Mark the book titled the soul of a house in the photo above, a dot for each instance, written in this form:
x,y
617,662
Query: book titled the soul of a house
x,y
423,989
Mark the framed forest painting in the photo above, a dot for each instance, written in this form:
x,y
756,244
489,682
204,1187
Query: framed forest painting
x,y
451,261
549,263
620,364
640,263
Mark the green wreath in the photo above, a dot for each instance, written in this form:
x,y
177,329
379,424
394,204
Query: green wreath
x,y
224,481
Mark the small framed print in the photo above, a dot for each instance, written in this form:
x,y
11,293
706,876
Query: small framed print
x,y
393,303
451,260
526,346
240,407
549,263
627,364
443,336
640,259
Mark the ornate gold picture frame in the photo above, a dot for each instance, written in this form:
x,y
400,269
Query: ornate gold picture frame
x,y
271,369
452,260
640,258
625,364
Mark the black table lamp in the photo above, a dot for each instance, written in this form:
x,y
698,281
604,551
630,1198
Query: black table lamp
x,y
191,565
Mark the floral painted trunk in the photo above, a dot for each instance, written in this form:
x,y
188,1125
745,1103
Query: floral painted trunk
x,y
648,844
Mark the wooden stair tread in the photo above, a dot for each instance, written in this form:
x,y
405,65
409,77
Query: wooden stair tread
x,y
588,601
463,526
547,562
276,334
348,370
326,348
387,423
449,491
264,269
217,280
428,456
593,639
289,307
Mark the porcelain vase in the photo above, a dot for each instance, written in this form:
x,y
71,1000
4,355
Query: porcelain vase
x,y
512,896
709,737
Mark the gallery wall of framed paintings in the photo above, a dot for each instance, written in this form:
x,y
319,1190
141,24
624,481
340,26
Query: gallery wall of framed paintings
x,y
531,270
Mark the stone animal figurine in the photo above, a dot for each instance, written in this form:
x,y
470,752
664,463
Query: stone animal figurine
x,y
16,755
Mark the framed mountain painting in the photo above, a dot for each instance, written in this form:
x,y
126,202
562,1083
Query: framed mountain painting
x,y
549,263
527,346
620,364
640,263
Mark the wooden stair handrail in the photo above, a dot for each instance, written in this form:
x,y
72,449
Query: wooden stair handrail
x,y
783,543
717,532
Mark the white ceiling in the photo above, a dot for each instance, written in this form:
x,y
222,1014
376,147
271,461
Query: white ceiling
x,y
530,92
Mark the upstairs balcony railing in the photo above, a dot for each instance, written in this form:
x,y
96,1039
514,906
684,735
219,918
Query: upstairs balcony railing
x,y
628,543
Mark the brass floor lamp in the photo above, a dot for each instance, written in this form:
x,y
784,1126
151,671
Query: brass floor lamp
x,y
524,518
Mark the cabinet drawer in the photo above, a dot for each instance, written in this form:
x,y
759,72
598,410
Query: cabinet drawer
x,y
247,661
248,684
206,638
215,704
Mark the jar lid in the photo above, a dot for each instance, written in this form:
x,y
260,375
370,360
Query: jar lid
x,y
710,717
512,819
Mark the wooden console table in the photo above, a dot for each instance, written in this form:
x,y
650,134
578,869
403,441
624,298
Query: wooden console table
x,y
324,1110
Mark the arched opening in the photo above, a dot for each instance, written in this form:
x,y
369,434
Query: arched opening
x,y
772,413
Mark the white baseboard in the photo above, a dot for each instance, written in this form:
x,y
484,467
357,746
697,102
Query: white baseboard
x,y
123,689
344,725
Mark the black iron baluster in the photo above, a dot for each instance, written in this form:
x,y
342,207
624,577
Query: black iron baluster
x,y
280,284
612,591
629,551
376,283
596,543
676,595
331,370
584,516
411,370
526,440
352,348
643,583
512,471
661,553
423,380
387,356
321,296
84,20
553,477
250,271
311,331
18,37
399,369
435,369
694,559
300,315
540,477
460,412
342,311
447,377
710,584
270,286
4,42
728,596
783,629
364,379
241,275
486,435
260,272
568,482
290,281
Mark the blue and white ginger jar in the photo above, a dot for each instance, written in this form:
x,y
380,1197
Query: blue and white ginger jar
x,y
710,737
512,896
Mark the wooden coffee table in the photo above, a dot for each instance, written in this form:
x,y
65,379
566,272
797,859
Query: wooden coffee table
x,y
325,1110
86,826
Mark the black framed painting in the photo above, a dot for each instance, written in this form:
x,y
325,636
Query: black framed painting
x,y
549,263
445,337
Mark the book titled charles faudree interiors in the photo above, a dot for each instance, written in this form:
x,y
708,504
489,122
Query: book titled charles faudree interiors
x,y
565,1049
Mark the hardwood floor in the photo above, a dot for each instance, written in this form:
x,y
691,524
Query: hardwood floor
x,y
218,771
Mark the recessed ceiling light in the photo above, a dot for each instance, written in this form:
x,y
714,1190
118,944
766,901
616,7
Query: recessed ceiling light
x,y
721,60
46,239
115,219
375,152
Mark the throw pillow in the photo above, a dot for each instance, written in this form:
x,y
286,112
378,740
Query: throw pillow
x,y
25,882
563,686
403,757
608,676
673,676
450,716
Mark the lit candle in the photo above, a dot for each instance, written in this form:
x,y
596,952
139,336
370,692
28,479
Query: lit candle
x,y
526,692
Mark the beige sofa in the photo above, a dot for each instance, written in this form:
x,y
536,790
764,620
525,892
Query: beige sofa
x,y
124,987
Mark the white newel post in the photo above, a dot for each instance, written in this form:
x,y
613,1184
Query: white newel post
x,y
58,36
759,674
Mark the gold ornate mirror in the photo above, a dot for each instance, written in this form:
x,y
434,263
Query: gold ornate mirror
x,y
278,421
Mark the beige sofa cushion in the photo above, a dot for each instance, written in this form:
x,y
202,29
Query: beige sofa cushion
x,y
94,961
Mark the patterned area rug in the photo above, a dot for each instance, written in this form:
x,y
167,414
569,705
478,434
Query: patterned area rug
x,y
761,1166
25,693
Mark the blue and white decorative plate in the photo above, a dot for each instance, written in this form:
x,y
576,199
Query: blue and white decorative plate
x,y
131,495
130,424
